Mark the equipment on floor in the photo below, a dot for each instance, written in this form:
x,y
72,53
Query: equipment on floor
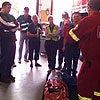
x,y
55,88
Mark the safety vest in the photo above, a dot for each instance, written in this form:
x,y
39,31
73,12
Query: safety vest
x,y
24,23
97,94
49,31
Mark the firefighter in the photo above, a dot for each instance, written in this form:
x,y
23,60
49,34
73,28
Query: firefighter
x,y
87,32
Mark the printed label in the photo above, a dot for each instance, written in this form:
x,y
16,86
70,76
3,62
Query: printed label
x,y
98,32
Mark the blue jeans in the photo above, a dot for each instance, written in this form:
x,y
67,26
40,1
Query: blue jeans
x,y
23,37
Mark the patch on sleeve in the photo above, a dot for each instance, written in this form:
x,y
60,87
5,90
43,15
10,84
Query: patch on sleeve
x,y
98,32
76,27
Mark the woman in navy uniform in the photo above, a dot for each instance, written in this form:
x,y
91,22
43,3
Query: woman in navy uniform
x,y
34,31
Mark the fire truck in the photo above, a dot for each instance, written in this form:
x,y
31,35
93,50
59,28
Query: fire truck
x,y
81,6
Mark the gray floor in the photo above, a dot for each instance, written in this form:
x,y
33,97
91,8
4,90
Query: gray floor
x,y
28,85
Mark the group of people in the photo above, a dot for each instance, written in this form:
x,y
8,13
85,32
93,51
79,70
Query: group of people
x,y
56,40
30,31
68,38
68,51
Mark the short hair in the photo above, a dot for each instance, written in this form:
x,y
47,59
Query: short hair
x,y
50,16
34,16
76,13
6,4
65,15
26,9
94,4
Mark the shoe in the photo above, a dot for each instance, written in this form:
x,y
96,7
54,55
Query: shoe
x,y
12,79
49,71
19,61
59,68
31,65
26,60
81,58
37,65
63,70
13,65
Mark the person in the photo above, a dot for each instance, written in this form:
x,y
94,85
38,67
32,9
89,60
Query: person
x,y
76,17
87,32
0,41
24,21
61,54
66,47
8,45
33,32
3,23
72,50
51,43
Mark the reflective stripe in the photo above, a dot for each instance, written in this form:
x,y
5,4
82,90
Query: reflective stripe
x,y
24,29
54,39
71,33
6,31
24,24
97,93
83,98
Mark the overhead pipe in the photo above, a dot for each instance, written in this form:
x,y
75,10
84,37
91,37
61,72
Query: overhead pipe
x,y
51,7
37,7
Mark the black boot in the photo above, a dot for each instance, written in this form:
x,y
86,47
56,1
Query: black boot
x,y
31,65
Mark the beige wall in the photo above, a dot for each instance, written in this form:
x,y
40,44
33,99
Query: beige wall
x,y
44,9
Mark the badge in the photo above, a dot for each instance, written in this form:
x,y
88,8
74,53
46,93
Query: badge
x,y
98,32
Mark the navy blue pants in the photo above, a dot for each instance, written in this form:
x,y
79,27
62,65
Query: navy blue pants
x,y
51,51
72,53
61,54
7,57
34,47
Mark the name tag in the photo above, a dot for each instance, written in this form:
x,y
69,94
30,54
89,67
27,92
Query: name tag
x,y
98,32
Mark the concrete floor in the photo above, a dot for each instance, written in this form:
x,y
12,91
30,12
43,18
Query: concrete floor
x,y
29,83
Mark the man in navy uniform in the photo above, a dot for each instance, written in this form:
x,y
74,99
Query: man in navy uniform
x,y
24,21
8,45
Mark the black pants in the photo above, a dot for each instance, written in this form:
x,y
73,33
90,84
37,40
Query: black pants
x,y
0,49
51,51
72,53
61,54
7,57
34,45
